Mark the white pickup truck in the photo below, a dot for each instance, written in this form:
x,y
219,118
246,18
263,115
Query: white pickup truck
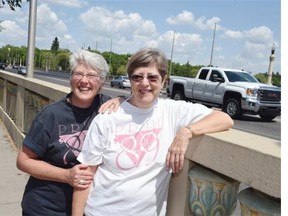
x,y
235,91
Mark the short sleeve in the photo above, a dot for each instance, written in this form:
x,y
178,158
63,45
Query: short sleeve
x,y
94,145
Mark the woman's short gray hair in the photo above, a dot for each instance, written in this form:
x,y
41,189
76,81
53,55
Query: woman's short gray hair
x,y
89,59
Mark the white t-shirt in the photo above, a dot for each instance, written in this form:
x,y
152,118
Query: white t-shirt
x,y
130,147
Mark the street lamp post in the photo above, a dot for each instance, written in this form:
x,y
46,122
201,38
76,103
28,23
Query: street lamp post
x,y
212,49
31,37
110,58
9,61
47,63
271,62
172,50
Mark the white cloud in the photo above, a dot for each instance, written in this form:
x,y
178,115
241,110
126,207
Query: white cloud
x,y
254,50
49,26
147,28
185,17
67,38
203,24
210,23
260,34
233,34
100,21
128,31
12,30
68,3
48,20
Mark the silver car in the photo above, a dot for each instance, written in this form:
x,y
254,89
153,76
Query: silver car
x,y
121,82
22,70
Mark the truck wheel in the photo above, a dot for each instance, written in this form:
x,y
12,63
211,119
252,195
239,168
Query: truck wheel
x,y
232,108
267,118
178,95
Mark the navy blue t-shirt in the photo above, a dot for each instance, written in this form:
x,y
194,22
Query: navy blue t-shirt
x,y
56,136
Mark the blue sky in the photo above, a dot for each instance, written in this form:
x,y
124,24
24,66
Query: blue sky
x,y
245,29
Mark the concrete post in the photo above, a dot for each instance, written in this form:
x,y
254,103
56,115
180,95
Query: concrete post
x,y
178,196
4,105
20,108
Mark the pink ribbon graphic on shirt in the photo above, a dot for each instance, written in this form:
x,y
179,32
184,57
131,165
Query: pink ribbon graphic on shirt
x,y
138,149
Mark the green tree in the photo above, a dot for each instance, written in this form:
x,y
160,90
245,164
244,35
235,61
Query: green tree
x,y
276,79
13,3
63,60
118,62
55,45
261,77
50,60
121,70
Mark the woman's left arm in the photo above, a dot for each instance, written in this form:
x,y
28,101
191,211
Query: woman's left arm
x,y
216,121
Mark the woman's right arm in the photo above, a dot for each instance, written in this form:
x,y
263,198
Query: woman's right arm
x,y
80,197
28,161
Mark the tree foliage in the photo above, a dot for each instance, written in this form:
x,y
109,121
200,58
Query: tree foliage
x,y
263,78
55,45
13,4
62,60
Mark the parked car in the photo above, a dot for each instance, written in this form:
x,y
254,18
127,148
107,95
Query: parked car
x,y
22,70
121,82
2,65
15,66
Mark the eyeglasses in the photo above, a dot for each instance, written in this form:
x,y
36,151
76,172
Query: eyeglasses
x,y
138,78
90,76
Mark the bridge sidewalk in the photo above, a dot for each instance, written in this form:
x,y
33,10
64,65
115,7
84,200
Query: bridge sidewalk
x,y
12,181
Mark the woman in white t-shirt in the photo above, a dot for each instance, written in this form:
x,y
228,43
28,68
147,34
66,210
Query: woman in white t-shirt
x,y
134,150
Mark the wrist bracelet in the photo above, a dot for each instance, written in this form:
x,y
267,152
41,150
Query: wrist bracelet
x,y
191,131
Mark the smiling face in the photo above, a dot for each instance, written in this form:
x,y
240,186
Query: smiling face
x,y
146,84
85,85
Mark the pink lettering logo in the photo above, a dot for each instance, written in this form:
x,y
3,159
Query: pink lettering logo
x,y
138,149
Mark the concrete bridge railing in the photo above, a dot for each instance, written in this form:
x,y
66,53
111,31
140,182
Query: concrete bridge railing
x,y
215,164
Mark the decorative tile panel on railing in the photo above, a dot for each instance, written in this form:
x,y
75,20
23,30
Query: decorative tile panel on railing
x,y
256,203
212,194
